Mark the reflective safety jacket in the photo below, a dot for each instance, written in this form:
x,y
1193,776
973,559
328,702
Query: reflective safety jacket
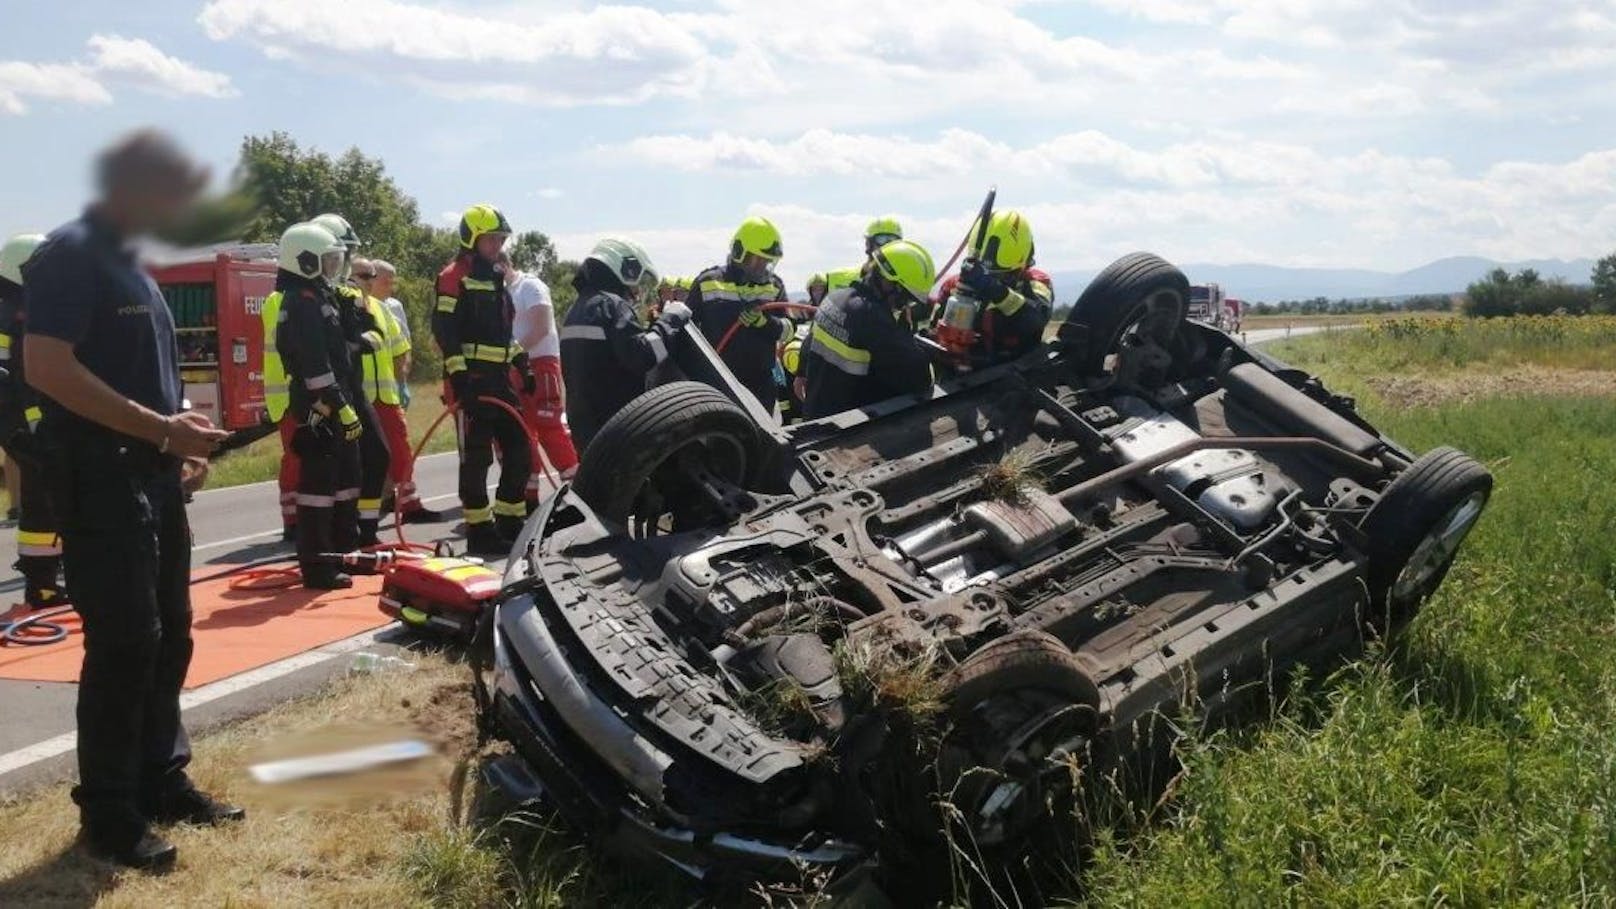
x,y
858,353
472,321
376,366
19,404
314,346
607,356
1013,326
275,393
718,299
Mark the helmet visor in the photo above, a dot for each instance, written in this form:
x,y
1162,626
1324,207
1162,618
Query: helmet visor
x,y
332,264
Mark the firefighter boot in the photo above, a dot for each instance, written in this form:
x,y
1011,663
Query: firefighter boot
x,y
485,539
367,533
509,526
42,587
314,546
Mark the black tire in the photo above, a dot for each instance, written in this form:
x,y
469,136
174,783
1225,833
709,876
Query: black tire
x,y
1029,675
1443,492
1138,289
640,438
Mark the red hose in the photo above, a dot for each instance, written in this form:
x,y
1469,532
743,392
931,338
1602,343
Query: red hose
x,y
766,307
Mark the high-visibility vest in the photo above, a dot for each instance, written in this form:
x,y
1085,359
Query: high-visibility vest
x,y
381,379
277,398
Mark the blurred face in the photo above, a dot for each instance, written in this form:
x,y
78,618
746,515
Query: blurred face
x,y
153,205
489,246
757,268
364,277
332,265
816,293
382,286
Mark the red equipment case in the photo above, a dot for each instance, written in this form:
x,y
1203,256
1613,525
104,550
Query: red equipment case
x,y
218,301
440,594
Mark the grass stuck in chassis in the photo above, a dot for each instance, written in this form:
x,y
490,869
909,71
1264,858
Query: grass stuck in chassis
x,y
912,634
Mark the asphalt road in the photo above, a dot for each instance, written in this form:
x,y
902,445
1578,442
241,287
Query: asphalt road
x,y
231,526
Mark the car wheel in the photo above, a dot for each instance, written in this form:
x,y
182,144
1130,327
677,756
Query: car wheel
x,y
678,453
1021,712
1138,298
1414,531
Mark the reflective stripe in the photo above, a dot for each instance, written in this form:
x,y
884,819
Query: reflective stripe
x,y
447,304
308,501
39,551
510,509
583,333
474,284
479,515
486,353
838,353
5,353
454,364
370,509
5,342
1010,305
347,495
324,380
658,347
38,543
716,289
276,388
329,311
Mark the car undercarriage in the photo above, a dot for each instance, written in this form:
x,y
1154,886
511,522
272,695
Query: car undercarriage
x,y
751,650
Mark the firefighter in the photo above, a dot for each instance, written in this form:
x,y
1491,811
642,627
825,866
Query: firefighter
x,y
363,330
859,351
606,355
542,391
379,374
877,234
39,547
314,348
1016,298
728,295
473,326
818,288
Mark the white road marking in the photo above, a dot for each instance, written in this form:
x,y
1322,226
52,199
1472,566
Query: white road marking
x,y
244,486
277,531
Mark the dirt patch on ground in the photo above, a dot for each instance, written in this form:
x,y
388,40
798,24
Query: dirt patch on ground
x,y
1470,385
447,715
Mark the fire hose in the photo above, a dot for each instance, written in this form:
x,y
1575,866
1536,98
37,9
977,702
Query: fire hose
x,y
764,307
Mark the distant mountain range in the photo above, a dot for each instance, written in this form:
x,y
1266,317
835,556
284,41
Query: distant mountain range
x,y
1273,283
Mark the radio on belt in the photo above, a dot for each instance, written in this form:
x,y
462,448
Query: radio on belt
x,y
440,594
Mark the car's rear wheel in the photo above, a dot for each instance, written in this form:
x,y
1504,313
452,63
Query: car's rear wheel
x,y
1021,713
1137,300
1414,531
677,456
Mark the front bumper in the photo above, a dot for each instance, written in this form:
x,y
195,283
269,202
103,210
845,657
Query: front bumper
x,y
592,794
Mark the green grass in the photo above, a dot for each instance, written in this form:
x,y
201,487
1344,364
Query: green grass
x,y
1444,345
262,460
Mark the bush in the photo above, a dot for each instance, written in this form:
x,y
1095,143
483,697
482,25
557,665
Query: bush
x,y
1526,294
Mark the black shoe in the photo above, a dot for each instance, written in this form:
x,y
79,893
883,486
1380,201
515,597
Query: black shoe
x,y
326,580
509,527
149,852
44,597
485,540
422,516
193,806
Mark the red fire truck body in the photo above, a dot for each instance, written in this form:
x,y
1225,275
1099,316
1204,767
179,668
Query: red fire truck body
x,y
217,300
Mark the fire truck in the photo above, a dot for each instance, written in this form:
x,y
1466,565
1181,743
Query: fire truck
x,y
1209,305
217,298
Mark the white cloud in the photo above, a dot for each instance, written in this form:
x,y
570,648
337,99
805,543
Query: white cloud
x,y
126,60
68,82
141,64
550,193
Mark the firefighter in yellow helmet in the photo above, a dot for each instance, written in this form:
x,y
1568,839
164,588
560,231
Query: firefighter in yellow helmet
x,y
860,350
39,547
473,324
728,295
877,233
1009,300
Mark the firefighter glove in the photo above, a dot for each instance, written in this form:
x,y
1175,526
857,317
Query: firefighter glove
x,y
351,427
754,318
982,283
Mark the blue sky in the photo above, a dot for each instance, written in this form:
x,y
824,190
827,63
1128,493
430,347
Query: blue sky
x,y
1301,132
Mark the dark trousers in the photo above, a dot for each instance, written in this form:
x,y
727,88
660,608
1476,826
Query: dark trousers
x,y
374,460
327,497
39,544
480,426
127,548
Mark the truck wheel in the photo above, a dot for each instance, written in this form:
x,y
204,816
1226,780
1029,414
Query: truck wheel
x,y
1021,712
1140,297
1415,529
679,451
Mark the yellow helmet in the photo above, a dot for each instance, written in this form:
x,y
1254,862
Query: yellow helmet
x,y
817,278
1007,245
884,230
479,220
757,237
15,252
908,265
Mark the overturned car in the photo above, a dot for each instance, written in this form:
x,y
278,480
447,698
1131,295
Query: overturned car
x,y
750,650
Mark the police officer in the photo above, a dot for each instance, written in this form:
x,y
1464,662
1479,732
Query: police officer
x,y
366,338
606,355
314,346
39,548
726,295
101,350
859,351
1017,298
473,327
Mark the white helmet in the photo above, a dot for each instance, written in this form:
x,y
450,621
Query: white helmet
x,y
310,251
340,228
15,252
